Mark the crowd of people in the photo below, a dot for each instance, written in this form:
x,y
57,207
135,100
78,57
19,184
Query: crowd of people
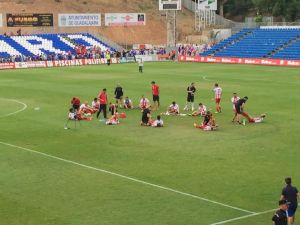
x,y
99,105
193,49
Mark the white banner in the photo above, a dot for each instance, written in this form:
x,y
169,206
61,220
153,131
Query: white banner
x,y
146,58
79,20
125,19
208,5
1,20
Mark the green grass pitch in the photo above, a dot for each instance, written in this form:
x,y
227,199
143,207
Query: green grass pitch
x,y
166,172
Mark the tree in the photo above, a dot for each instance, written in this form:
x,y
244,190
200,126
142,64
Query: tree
x,y
221,4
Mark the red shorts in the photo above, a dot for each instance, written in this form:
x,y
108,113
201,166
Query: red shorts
x,y
218,100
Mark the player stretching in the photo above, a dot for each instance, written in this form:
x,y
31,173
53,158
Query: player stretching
x,y
218,95
234,100
209,123
190,97
155,93
239,107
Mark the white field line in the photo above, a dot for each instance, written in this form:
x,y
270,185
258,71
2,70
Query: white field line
x,y
243,217
18,111
128,178
247,216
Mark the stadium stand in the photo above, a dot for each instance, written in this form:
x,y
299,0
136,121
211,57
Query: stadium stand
x,y
279,43
47,44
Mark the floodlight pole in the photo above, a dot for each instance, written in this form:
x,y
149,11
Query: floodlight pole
x,y
171,28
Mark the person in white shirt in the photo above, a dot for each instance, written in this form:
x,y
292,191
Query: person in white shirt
x,y
71,116
173,109
95,104
201,111
234,100
218,94
158,122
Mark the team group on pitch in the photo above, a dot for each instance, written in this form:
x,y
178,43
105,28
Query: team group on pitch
x,y
84,111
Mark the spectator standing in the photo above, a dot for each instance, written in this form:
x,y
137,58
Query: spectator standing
x,y
291,194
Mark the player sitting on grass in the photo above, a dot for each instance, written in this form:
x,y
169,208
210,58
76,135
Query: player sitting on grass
x,y
200,112
113,120
127,103
146,116
76,116
239,107
158,122
208,124
172,110
96,104
113,108
144,102
75,102
72,114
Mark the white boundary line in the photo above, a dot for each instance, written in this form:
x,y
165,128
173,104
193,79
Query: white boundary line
x,y
128,178
243,217
18,111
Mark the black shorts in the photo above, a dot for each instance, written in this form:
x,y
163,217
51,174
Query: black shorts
x,y
76,107
156,98
190,98
119,97
238,110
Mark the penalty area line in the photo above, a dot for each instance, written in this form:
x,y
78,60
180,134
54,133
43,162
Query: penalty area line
x,y
128,178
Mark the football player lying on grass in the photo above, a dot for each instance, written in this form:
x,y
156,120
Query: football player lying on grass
x,y
86,109
200,112
113,120
208,124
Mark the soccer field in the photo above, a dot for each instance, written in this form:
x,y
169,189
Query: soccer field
x,y
132,175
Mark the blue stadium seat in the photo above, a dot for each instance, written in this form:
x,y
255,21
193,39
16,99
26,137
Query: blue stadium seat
x,y
278,43
30,45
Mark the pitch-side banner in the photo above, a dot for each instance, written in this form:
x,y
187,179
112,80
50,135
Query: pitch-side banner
x,y
1,20
251,61
79,20
58,63
29,20
125,19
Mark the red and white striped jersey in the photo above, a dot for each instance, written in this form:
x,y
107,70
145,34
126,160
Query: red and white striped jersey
x,y
144,102
234,99
218,92
202,110
174,108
